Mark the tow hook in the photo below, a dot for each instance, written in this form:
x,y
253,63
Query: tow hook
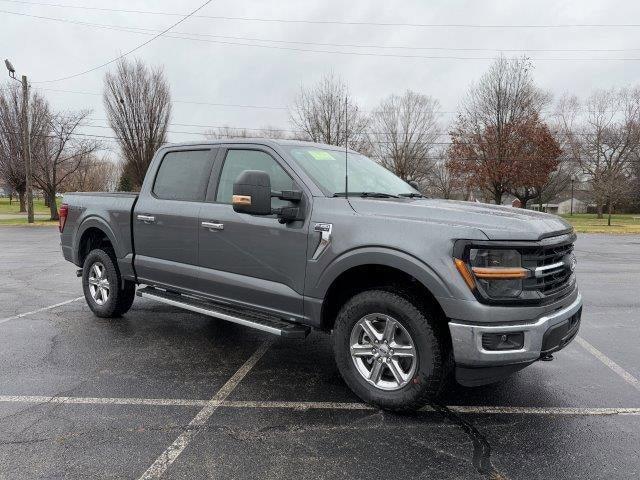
x,y
546,358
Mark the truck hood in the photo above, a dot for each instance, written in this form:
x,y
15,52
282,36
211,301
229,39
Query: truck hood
x,y
495,221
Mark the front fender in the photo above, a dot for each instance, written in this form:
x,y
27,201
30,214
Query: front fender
x,y
380,256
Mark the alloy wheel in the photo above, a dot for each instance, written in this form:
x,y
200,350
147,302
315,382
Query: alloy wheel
x,y
99,284
383,351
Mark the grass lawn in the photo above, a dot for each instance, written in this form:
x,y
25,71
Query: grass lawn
x,y
22,221
38,206
10,215
589,223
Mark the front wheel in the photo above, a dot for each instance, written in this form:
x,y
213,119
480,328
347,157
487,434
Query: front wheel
x,y
388,351
103,289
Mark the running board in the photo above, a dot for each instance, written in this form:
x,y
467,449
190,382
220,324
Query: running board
x,y
246,317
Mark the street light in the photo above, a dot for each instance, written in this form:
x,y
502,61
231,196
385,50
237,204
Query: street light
x,y
26,139
12,71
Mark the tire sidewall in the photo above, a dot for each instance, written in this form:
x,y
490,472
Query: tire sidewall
x,y
109,307
427,377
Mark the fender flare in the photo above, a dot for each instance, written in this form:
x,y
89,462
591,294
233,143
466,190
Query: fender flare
x,y
100,224
380,256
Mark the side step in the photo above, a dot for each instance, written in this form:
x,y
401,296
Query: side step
x,y
246,317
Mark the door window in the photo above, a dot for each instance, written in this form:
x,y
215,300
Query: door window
x,y
183,175
239,160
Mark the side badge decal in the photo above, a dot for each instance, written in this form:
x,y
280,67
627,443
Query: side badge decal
x,y
325,230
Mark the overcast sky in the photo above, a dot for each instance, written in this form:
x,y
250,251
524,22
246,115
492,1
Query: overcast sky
x,y
206,71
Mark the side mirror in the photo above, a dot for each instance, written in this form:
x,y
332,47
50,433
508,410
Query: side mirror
x,y
252,193
414,184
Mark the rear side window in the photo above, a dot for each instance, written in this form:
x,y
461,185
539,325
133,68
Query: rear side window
x,y
183,175
239,160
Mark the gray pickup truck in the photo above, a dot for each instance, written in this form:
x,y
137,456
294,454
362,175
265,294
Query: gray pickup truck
x,y
262,233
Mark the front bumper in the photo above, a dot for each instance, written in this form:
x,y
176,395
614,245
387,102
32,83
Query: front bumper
x,y
547,334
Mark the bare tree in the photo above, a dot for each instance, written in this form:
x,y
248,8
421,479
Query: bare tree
x,y
319,113
137,101
603,134
93,175
12,169
405,129
232,132
635,181
441,182
487,135
270,131
556,183
227,132
60,153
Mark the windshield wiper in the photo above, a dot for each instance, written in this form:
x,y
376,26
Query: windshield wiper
x,y
367,194
378,195
411,195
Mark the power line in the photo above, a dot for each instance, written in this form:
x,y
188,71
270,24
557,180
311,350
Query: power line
x,y
284,130
192,37
217,104
265,128
190,102
132,50
403,47
338,22
213,104
329,44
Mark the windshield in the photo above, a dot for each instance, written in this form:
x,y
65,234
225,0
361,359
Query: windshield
x,y
326,168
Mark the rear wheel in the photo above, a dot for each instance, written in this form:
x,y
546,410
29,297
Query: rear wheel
x,y
103,287
388,351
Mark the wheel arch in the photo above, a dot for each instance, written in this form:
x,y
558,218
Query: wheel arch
x,y
365,269
94,232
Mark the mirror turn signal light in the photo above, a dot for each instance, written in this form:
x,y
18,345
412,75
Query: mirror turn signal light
x,y
241,200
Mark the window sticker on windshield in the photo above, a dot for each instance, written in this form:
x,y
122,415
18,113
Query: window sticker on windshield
x,y
321,155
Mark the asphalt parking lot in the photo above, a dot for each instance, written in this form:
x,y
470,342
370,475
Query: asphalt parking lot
x,y
162,392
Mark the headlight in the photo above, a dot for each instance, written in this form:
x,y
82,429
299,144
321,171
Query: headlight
x,y
497,272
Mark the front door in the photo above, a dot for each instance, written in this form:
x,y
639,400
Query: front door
x,y
246,259
165,219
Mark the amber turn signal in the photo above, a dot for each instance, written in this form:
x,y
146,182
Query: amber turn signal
x,y
499,273
241,200
466,274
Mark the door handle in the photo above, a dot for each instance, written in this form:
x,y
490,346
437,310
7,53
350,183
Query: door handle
x,y
146,218
213,226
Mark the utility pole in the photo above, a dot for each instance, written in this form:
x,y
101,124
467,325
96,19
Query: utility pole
x,y
346,148
572,180
26,138
26,146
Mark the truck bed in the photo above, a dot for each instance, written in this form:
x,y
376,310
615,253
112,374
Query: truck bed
x,y
110,211
101,194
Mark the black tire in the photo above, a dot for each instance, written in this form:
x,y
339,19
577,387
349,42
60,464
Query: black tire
x,y
119,298
431,371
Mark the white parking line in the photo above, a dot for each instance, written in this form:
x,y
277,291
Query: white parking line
x,y
626,376
156,402
157,469
257,404
2,320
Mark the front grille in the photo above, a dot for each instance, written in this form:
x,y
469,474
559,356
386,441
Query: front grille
x,y
550,280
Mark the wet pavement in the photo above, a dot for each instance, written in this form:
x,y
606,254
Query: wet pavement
x,y
82,397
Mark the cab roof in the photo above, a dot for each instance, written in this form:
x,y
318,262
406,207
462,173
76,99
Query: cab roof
x,y
272,142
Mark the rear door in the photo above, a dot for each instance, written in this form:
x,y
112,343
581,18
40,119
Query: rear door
x,y
165,220
253,260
